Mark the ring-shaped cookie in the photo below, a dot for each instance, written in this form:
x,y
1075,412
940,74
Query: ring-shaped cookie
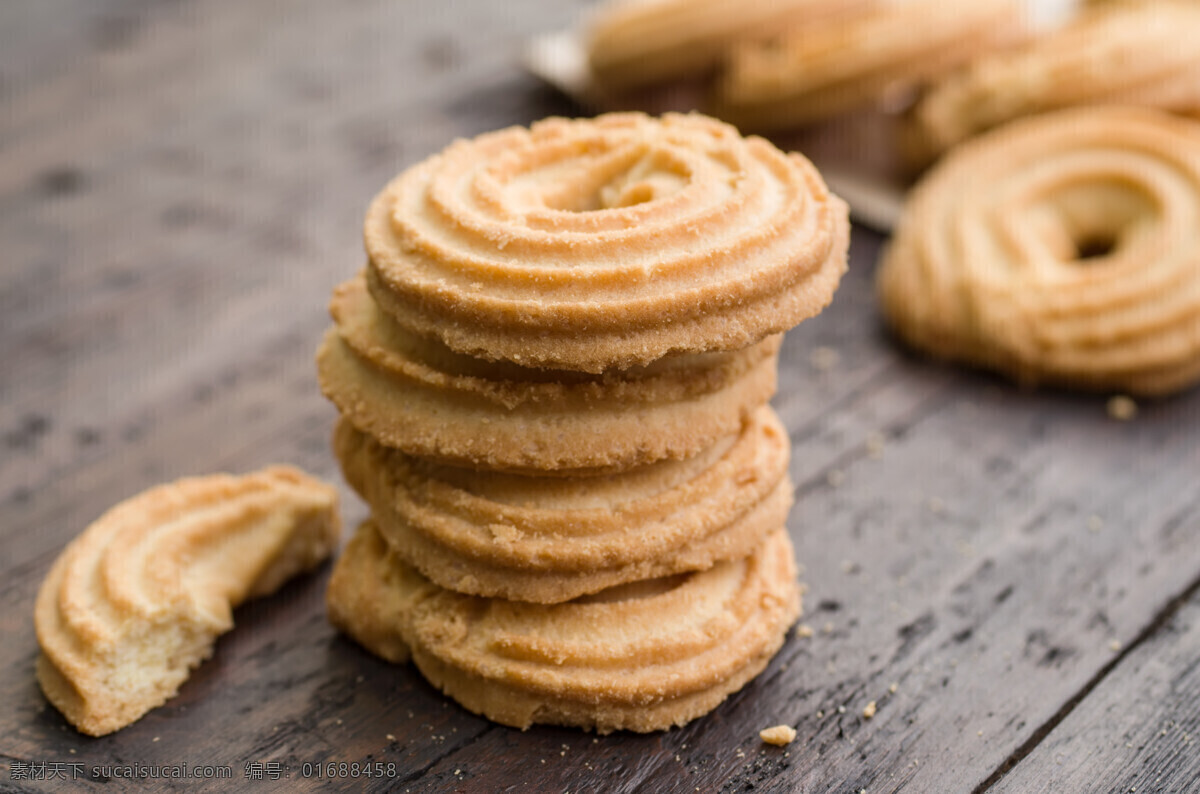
x,y
641,657
418,396
824,68
633,43
552,539
604,243
1116,53
1063,248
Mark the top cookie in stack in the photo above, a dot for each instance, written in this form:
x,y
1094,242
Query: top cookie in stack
x,y
593,245
553,376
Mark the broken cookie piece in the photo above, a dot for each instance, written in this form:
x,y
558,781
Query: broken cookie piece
x,y
140,597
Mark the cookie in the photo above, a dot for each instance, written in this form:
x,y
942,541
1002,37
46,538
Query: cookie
x,y
139,598
641,657
604,243
1116,53
823,69
641,42
1063,248
552,539
416,395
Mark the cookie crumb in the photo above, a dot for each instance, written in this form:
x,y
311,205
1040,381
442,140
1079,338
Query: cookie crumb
x,y
778,735
391,738
875,443
893,687
1122,408
835,478
869,710
804,631
1095,523
1114,646
823,359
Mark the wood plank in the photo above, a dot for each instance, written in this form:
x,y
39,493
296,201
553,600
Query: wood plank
x,y
172,222
1137,730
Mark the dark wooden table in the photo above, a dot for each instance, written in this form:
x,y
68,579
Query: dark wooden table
x,y
1011,577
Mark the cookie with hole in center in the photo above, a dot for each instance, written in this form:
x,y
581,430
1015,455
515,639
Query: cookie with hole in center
x,y
1062,249
875,57
553,539
605,243
635,43
414,394
642,657
1121,52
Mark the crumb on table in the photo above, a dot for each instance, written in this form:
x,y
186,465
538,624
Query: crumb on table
x,y
778,735
1122,408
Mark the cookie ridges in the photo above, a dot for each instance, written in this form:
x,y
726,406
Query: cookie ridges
x,y
1062,249
139,598
641,657
552,539
604,243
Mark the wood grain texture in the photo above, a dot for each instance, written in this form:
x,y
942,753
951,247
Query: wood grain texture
x,y
1136,731
182,183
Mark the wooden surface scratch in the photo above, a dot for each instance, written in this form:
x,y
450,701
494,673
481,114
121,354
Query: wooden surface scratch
x,y
1010,577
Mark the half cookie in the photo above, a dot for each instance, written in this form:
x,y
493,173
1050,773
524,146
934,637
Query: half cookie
x,y
552,539
417,395
138,599
641,657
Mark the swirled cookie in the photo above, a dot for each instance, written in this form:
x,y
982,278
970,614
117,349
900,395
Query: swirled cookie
x,y
604,243
633,43
415,394
140,597
822,69
1116,53
552,539
641,657
1061,248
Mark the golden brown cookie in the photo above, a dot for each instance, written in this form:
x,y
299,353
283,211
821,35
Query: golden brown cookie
x,y
416,395
641,657
552,539
633,43
139,598
1116,53
824,68
604,243
1062,248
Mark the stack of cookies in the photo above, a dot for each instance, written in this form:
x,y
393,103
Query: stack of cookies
x,y
553,378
